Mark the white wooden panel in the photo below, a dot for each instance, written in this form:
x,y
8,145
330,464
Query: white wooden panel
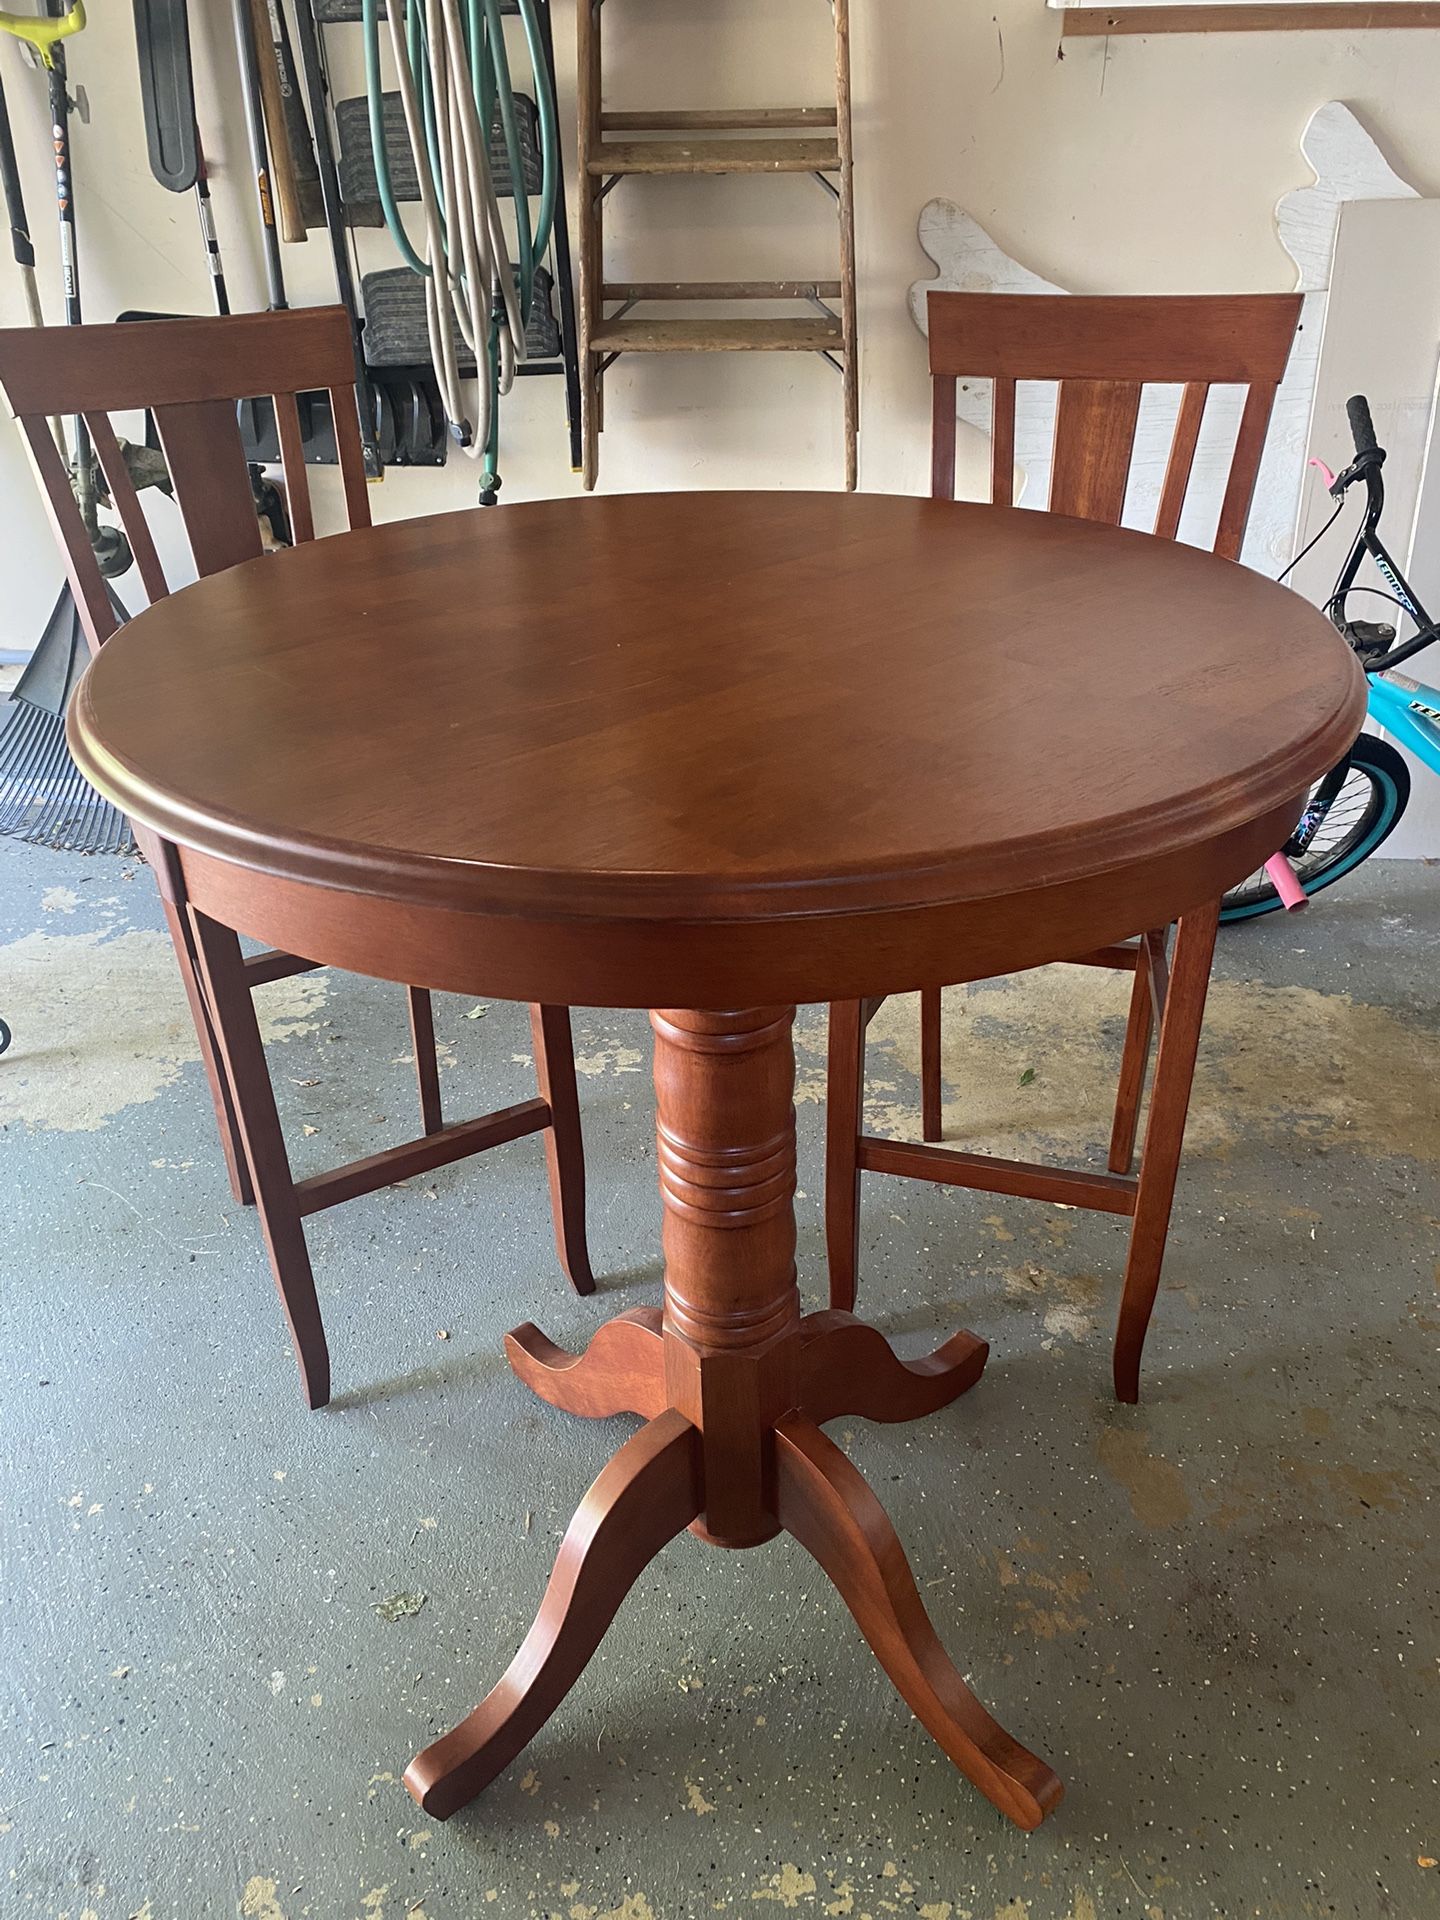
x,y
1382,339
1424,556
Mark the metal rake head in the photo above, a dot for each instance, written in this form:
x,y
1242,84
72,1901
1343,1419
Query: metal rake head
x,y
44,797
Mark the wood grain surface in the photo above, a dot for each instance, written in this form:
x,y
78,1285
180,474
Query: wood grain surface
x,y
716,708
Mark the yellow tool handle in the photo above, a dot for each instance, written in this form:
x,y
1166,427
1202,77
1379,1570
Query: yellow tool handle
x,y
42,31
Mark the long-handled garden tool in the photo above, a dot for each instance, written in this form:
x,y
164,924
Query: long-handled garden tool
x,y
177,160
20,241
43,796
312,68
167,98
247,49
45,34
280,140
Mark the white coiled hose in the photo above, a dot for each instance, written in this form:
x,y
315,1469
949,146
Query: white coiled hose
x,y
469,280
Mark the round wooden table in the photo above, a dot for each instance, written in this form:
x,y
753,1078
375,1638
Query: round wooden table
x,y
714,754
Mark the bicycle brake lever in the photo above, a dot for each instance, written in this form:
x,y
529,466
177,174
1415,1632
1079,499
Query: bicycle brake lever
x,y
1341,483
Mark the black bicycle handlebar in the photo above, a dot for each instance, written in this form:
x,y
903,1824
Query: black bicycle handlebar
x,y
1367,464
1361,425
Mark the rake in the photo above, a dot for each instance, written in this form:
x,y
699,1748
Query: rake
x,y
44,797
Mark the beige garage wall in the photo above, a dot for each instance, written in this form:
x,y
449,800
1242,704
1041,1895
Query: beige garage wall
x,y
1150,165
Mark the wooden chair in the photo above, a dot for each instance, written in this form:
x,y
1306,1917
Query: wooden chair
x,y
1103,352
190,374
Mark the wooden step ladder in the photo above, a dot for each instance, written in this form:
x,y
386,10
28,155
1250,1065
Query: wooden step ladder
x,y
614,146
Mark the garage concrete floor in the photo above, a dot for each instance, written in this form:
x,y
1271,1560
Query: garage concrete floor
x,y
1215,1614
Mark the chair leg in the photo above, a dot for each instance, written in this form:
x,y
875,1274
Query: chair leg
x,y
1134,1065
1164,1138
844,1108
222,969
564,1145
427,1067
931,1123
232,1146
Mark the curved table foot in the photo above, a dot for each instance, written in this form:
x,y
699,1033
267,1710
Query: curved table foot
x,y
647,1494
621,1371
827,1506
847,1367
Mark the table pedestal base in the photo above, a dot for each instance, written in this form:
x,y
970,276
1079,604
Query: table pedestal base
x,y
734,1385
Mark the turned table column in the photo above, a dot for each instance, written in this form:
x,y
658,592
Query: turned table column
x,y
734,1385
725,1142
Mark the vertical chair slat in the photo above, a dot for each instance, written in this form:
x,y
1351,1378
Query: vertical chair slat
x,y
1182,459
352,458
1002,445
1244,470
942,439
292,459
127,503
1094,439
92,599
206,457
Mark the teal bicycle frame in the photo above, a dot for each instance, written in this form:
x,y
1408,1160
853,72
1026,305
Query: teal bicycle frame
x,y
1409,711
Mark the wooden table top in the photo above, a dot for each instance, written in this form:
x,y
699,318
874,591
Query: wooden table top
x,y
715,706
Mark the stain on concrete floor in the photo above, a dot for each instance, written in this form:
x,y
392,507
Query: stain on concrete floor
x,y
1215,1614
107,1019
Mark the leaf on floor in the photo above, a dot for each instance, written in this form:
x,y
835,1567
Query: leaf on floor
x,y
400,1606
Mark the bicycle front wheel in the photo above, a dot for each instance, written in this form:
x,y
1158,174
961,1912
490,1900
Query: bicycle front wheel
x,y
1365,812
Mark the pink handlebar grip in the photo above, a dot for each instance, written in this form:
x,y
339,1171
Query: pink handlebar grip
x,y
1283,879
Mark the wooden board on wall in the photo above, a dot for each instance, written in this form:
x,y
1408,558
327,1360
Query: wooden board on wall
x,y
1093,19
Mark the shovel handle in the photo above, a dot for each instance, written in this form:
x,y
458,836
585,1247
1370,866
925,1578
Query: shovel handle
x,y
283,183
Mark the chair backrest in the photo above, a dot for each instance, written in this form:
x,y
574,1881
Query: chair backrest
x,y
1104,351
189,374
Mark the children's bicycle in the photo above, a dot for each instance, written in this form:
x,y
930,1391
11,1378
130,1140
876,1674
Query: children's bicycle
x,y
1359,803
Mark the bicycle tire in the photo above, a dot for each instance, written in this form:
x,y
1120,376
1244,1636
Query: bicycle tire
x,y
1387,779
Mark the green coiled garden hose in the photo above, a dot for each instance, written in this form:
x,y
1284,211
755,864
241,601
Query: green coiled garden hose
x,y
453,70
